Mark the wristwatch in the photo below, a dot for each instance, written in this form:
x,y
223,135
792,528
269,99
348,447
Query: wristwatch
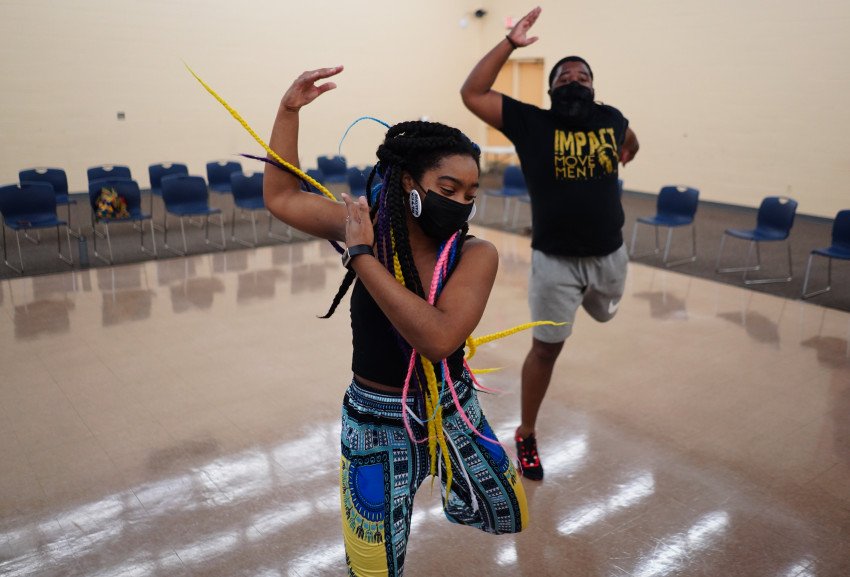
x,y
353,251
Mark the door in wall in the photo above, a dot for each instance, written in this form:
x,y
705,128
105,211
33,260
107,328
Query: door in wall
x,y
523,80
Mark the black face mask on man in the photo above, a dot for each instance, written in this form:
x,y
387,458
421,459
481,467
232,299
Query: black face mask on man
x,y
572,102
439,217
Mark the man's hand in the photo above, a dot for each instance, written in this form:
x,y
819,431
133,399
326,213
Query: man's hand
x,y
629,147
519,33
304,90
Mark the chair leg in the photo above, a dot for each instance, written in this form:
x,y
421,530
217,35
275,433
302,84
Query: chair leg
x,y
75,234
276,236
634,241
183,235
233,229
771,280
70,258
94,236
688,259
223,245
20,254
5,256
165,236
746,266
828,287
254,226
153,238
109,243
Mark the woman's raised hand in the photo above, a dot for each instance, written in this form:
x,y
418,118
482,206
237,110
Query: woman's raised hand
x,y
304,90
358,226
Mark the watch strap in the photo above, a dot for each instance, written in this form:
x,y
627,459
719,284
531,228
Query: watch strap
x,y
353,251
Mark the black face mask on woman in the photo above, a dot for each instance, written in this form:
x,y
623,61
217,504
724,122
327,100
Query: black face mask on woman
x,y
439,217
572,101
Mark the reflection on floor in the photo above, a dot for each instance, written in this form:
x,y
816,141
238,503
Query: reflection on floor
x,y
180,417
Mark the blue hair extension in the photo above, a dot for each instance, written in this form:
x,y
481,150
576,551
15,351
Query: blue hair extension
x,y
350,126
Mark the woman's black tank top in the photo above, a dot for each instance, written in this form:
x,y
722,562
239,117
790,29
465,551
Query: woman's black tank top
x,y
377,355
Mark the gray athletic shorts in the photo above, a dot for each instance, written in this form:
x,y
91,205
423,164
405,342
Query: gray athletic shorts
x,y
559,284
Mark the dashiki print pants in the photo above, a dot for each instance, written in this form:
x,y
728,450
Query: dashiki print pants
x,y
381,468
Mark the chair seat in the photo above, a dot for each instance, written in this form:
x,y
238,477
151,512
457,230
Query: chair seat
x,y
670,220
250,203
65,199
193,209
134,216
39,220
220,187
834,251
758,234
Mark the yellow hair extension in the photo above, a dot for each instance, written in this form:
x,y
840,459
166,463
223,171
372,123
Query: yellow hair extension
x,y
438,425
399,276
472,343
250,130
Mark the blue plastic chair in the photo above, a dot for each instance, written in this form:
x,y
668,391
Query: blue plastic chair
x,y
31,206
774,221
156,172
111,171
335,168
676,207
248,198
356,181
513,187
218,175
129,191
57,178
839,249
187,196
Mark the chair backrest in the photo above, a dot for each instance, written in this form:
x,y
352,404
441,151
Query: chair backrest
x,y
184,189
218,172
513,181
108,171
332,165
55,176
157,172
126,189
27,200
841,229
356,181
678,201
776,213
246,187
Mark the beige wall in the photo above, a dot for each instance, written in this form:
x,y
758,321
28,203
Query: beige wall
x,y
741,99
69,66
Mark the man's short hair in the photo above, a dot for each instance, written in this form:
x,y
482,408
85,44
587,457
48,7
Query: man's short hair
x,y
568,59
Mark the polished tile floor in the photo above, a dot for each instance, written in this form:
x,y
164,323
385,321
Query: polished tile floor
x,y
181,417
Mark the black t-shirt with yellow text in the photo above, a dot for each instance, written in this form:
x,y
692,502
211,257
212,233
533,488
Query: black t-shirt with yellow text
x,y
571,173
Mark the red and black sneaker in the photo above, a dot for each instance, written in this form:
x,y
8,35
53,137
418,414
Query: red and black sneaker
x,y
529,460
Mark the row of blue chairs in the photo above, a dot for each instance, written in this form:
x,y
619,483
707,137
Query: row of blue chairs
x,y
676,207
32,205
